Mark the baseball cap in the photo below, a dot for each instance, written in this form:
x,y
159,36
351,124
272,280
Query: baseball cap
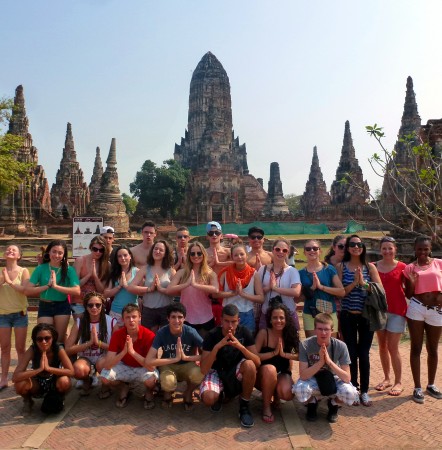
x,y
104,230
213,224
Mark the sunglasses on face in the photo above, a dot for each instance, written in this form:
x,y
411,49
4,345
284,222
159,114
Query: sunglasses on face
x,y
92,305
97,250
356,244
213,233
43,338
341,246
310,249
182,236
256,237
279,250
196,253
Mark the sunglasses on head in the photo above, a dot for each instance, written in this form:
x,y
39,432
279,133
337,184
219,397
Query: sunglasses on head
x,y
310,249
340,246
356,244
196,253
213,233
97,305
182,236
43,338
279,250
388,239
97,250
254,237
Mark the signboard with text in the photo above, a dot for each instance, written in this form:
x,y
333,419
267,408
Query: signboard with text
x,y
83,230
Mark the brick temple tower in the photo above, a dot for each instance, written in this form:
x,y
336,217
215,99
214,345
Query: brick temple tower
x,y
348,193
221,187
69,193
275,204
31,200
97,174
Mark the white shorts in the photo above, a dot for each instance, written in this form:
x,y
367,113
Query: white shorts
x,y
128,374
432,315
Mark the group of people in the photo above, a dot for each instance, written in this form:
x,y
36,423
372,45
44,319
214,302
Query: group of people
x,y
220,319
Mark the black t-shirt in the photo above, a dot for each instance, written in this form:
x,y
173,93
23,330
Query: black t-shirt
x,y
228,356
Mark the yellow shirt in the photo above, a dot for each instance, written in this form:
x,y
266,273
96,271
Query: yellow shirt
x,y
12,301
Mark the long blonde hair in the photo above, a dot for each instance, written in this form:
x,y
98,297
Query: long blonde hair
x,y
205,269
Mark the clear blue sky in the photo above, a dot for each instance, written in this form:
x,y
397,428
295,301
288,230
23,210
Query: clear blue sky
x,y
298,70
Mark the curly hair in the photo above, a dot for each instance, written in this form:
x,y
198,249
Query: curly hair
x,y
290,335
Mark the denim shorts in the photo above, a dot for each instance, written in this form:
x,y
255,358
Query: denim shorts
x,y
395,323
77,308
13,320
52,309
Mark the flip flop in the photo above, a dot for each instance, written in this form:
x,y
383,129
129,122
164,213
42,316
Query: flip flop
x,y
382,386
395,392
188,406
3,387
149,403
104,393
122,401
268,418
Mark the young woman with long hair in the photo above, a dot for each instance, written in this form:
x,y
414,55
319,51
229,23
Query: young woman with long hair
x,y
240,285
355,274
281,282
13,309
195,282
151,282
92,271
320,286
89,340
53,281
51,367
122,274
423,285
277,347
392,277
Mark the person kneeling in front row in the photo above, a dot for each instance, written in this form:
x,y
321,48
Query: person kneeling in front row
x,y
124,361
324,370
229,362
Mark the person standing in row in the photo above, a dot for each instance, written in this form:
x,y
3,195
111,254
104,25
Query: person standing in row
x,y
141,251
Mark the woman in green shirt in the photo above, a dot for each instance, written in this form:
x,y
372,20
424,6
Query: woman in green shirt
x,y
53,281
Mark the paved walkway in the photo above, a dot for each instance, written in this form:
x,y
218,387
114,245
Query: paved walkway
x,y
93,423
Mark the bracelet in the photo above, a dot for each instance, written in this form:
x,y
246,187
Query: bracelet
x,y
99,345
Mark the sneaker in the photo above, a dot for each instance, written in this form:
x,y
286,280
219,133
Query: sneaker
x,y
418,395
434,392
332,415
95,381
245,416
312,411
218,406
365,399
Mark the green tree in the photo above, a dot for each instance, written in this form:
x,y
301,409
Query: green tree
x,y
12,172
161,188
293,203
130,203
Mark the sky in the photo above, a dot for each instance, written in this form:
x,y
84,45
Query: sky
x,y
298,70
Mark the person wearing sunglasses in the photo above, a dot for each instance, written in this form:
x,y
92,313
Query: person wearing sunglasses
x,y
182,244
257,255
92,271
50,371
89,340
281,282
423,286
392,277
320,286
240,285
53,281
195,282
13,309
218,257
151,282
356,275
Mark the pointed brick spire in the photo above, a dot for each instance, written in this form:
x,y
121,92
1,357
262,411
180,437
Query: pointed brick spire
x,y
411,120
315,195
97,174
69,152
275,203
111,160
19,123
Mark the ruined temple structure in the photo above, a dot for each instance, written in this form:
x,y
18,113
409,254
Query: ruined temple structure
x,y
220,187
411,123
69,193
97,174
108,202
315,195
348,193
31,201
275,204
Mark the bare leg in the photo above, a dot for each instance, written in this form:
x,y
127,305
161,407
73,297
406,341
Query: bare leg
x,y
393,340
248,371
433,336
385,359
20,341
416,329
266,382
5,341
61,325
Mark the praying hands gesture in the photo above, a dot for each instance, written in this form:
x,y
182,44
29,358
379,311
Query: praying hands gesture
x,y
52,280
123,280
316,283
180,355
6,277
324,357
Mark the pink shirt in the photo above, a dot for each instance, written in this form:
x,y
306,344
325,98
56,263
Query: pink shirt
x,y
429,279
198,305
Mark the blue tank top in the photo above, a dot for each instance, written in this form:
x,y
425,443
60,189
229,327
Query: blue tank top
x,y
124,297
355,299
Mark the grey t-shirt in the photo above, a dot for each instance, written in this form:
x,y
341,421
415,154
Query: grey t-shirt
x,y
309,352
167,341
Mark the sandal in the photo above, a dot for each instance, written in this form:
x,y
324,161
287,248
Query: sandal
x,y
122,401
383,386
396,391
149,403
268,418
188,406
104,393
